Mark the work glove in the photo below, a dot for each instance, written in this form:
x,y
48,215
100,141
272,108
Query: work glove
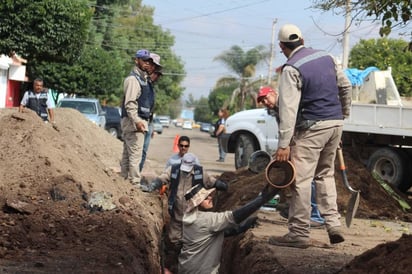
x,y
242,227
220,185
155,184
268,192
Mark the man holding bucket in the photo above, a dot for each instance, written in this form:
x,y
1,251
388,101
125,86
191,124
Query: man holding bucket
x,y
314,98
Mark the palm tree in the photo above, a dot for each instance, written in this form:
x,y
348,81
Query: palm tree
x,y
243,64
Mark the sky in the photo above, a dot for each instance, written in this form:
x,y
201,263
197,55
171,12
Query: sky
x,y
205,29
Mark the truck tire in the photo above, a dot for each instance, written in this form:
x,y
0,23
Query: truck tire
x,y
244,148
391,165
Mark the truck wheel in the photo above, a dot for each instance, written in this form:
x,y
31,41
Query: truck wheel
x,y
390,165
244,148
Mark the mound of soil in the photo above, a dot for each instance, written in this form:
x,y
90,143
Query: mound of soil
x,y
50,221
48,176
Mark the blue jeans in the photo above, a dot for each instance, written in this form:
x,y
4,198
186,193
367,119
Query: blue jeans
x,y
146,144
315,214
222,153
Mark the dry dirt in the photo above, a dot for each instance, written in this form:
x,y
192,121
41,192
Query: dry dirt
x,y
48,177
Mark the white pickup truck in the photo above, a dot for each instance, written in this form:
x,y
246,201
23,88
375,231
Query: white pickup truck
x,y
379,127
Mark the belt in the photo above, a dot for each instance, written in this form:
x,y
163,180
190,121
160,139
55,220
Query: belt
x,y
305,124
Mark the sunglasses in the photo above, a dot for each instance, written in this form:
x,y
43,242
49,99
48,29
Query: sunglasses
x,y
183,145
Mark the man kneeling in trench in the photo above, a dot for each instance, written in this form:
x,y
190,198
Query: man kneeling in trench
x,y
203,231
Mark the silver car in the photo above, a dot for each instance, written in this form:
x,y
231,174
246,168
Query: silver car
x,y
89,107
157,126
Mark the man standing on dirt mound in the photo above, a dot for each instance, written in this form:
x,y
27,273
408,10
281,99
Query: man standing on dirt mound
x,y
136,106
314,98
155,71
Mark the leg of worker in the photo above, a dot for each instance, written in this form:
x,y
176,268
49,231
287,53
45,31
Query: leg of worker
x,y
146,144
134,142
325,179
304,155
315,214
124,163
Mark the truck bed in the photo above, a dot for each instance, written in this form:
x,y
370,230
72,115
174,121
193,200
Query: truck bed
x,y
380,119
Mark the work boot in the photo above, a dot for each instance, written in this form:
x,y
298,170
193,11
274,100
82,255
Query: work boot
x,y
290,240
335,236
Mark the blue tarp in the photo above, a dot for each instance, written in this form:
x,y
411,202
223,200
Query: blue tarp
x,y
357,76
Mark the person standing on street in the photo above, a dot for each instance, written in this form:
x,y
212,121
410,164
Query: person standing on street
x,y
155,71
219,130
314,98
137,103
39,101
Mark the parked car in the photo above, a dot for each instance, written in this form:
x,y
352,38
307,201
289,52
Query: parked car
x,y
164,120
187,125
89,107
157,126
113,121
205,127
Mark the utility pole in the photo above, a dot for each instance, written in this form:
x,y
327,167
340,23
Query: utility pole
x,y
345,58
272,50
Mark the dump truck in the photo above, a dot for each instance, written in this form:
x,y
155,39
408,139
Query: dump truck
x,y
379,128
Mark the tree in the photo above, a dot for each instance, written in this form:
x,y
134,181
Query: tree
x,y
202,111
86,47
392,14
243,64
44,30
383,53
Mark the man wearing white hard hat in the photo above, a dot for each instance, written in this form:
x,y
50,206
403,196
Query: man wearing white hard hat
x,y
314,98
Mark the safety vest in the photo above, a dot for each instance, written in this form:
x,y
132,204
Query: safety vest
x,y
145,102
174,183
320,92
39,105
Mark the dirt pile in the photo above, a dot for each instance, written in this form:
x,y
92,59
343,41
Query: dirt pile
x,y
49,176
47,179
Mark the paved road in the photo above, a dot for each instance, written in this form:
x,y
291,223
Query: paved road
x,y
204,146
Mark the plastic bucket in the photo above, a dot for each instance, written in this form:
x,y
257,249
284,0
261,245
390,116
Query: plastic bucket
x,y
258,161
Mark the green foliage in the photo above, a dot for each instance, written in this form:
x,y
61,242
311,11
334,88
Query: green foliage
x,y
47,30
393,13
243,64
86,47
202,111
220,97
384,53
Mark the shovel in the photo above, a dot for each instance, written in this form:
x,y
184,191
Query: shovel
x,y
353,202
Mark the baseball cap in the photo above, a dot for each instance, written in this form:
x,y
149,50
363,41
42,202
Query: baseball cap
x,y
263,91
156,59
196,195
143,54
188,161
289,33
